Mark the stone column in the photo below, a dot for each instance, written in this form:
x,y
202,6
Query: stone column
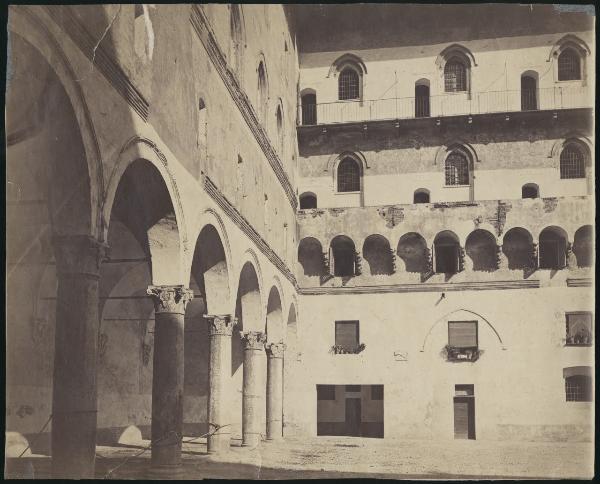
x,y
167,373
571,260
502,260
274,390
219,375
74,392
252,409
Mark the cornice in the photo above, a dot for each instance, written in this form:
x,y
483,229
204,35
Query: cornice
x,y
238,219
114,74
207,37
402,288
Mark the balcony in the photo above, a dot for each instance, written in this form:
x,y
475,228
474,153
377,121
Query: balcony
x,y
455,104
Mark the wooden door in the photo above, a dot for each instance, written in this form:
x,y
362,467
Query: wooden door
x,y
464,418
353,416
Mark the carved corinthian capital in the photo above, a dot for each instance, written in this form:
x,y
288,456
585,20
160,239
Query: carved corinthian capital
x,y
220,324
275,350
253,340
170,299
79,254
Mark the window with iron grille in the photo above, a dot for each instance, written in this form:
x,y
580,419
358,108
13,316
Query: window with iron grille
x,y
325,392
376,392
348,85
569,66
353,388
579,329
348,176
462,334
346,334
457,169
578,388
572,162
455,76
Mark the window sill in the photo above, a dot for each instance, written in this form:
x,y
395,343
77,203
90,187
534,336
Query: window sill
x,y
347,193
578,345
457,186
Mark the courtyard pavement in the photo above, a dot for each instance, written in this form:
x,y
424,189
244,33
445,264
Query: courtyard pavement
x,y
345,457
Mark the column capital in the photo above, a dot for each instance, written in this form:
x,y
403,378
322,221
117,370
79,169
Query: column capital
x,y
79,254
253,340
170,299
275,350
220,324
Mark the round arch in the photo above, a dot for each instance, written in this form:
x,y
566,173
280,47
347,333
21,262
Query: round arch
x,y
274,325
27,25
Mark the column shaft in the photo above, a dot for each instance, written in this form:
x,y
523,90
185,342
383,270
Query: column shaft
x,y
274,390
219,398
251,397
167,376
74,389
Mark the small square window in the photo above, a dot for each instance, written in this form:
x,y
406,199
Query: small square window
x,y
376,392
579,329
578,388
325,392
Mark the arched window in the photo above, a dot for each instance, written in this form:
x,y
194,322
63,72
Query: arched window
x,y
446,253
280,131
412,249
308,200
310,257
348,84
348,176
309,109
378,254
530,190
455,76
421,101
572,162
343,256
553,248
569,66
528,93
262,90
517,246
578,384
583,246
421,196
481,249
457,169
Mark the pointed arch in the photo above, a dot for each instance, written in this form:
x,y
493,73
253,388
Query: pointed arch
x,y
345,59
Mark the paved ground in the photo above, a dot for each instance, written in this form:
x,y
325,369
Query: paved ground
x,y
344,457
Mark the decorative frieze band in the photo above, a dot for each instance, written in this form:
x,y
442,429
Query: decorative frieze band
x,y
253,340
245,226
399,288
170,299
275,350
205,34
220,324
79,254
96,53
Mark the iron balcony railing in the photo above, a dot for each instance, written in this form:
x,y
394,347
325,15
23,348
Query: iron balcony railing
x,y
454,104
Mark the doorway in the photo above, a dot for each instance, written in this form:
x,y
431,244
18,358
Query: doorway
x,y
464,412
353,417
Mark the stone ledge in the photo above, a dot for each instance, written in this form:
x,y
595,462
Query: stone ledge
x,y
401,288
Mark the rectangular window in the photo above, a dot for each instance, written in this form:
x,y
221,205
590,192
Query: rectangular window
x,y
325,392
462,334
579,329
346,334
376,392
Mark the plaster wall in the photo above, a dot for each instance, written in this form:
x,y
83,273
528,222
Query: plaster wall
x,y
523,357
